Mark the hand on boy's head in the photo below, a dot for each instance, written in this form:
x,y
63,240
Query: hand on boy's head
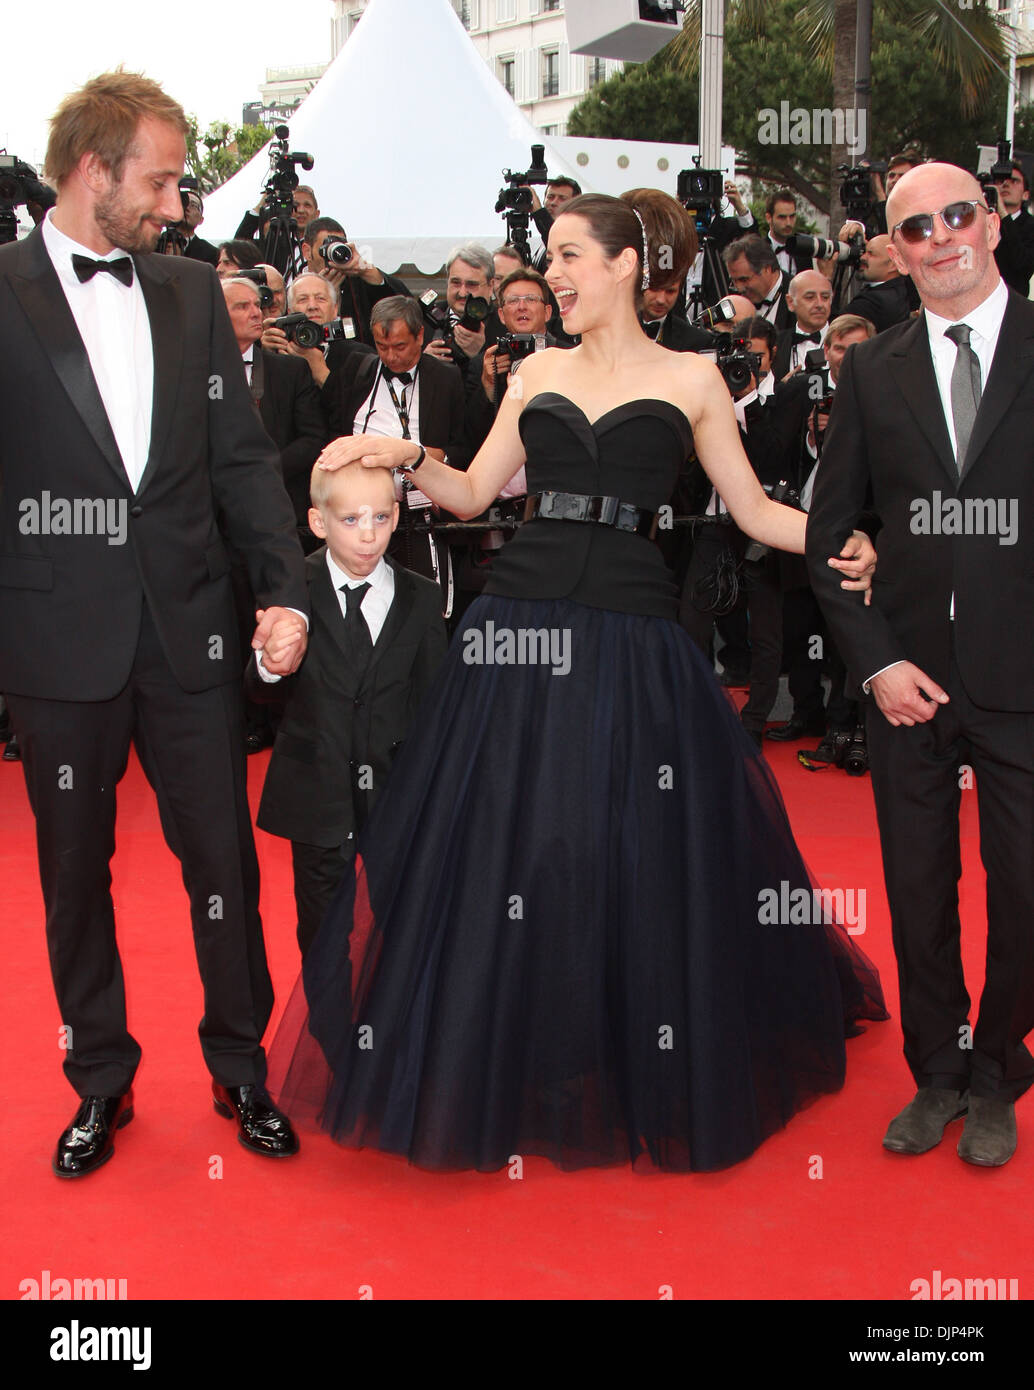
x,y
355,512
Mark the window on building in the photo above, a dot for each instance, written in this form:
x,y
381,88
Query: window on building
x,y
505,10
595,72
506,74
548,5
550,73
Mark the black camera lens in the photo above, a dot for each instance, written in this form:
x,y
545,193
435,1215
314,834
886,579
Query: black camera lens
x,y
335,252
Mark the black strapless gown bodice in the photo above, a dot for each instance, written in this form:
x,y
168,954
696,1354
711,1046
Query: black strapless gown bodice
x,y
633,452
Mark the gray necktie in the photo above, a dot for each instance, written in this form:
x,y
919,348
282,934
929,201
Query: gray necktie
x,y
965,389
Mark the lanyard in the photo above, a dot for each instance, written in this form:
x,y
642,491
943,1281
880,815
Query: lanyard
x,y
401,409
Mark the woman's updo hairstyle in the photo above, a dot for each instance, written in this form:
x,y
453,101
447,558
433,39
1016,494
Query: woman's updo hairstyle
x,y
670,231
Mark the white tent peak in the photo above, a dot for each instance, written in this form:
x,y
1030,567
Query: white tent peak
x,y
410,132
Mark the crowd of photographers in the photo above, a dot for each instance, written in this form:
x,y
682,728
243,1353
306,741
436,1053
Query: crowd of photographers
x,y
333,346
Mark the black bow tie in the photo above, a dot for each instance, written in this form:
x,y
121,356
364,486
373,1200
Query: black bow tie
x,y
807,338
404,377
652,328
86,269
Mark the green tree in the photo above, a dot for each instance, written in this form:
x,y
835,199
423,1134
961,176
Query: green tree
x,y
214,157
915,103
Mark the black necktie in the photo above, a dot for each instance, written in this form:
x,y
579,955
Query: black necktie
x,y
355,624
86,269
965,389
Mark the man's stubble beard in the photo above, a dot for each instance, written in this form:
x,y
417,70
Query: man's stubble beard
x,y
120,228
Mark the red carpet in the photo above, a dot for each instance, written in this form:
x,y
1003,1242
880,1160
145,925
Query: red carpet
x,y
183,1212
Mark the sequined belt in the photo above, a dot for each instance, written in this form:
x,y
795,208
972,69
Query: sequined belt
x,y
604,511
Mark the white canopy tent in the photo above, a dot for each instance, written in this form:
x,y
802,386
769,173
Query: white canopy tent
x,y
410,132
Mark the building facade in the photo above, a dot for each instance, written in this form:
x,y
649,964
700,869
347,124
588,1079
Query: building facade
x,y
524,43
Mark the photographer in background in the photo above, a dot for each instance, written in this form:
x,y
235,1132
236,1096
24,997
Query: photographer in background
x,y
809,298
717,583
1015,252
316,298
559,192
887,297
460,333
754,271
235,256
802,406
197,248
360,285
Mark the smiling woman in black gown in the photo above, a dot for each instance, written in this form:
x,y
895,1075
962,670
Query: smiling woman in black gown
x,y
553,942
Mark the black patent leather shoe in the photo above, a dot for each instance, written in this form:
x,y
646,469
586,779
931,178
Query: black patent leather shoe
x,y
12,750
797,728
89,1141
261,1126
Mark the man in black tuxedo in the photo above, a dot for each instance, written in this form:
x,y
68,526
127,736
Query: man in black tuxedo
x,y
288,402
317,298
373,652
1015,252
935,417
781,218
197,248
664,325
359,284
754,271
131,448
407,393
888,297
809,297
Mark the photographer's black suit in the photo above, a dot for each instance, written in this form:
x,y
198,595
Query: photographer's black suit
x,y
888,431
440,401
1015,252
198,249
290,407
344,720
885,304
103,645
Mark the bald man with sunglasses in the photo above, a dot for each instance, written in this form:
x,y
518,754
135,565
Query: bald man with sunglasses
x,y
936,417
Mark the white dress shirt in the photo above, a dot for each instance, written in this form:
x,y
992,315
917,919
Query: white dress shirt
x,y
374,606
116,331
377,599
798,351
985,322
766,386
377,415
782,255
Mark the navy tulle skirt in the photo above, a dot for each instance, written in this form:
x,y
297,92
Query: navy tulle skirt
x,y
559,936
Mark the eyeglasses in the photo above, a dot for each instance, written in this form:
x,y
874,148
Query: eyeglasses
x,y
956,217
516,299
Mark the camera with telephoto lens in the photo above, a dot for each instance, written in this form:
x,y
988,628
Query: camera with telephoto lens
x,y
821,248
19,184
259,280
282,179
335,250
779,492
301,330
1000,169
736,362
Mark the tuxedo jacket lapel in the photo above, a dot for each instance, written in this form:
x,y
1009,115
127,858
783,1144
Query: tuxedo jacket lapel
x,y
41,296
161,295
325,603
913,374
1010,368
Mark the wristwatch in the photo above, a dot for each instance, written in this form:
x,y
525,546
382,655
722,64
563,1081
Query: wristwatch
x,y
412,467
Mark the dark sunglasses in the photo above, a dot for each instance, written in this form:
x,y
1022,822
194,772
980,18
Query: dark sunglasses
x,y
956,217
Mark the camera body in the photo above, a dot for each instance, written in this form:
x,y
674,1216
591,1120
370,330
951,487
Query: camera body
x,y
19,184
738,365
515,201
282,178
756,551
259,280
700,191
517,346
300,329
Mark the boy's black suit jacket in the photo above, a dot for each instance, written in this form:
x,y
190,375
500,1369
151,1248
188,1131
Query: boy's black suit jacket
x,y
339,719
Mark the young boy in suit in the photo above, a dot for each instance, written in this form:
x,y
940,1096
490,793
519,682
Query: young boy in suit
x,y
376,641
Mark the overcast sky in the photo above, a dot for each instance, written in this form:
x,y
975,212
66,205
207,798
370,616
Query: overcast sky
x,y
211,56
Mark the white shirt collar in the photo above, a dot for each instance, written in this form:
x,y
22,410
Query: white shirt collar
x,y
985,320
62,248
378,578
